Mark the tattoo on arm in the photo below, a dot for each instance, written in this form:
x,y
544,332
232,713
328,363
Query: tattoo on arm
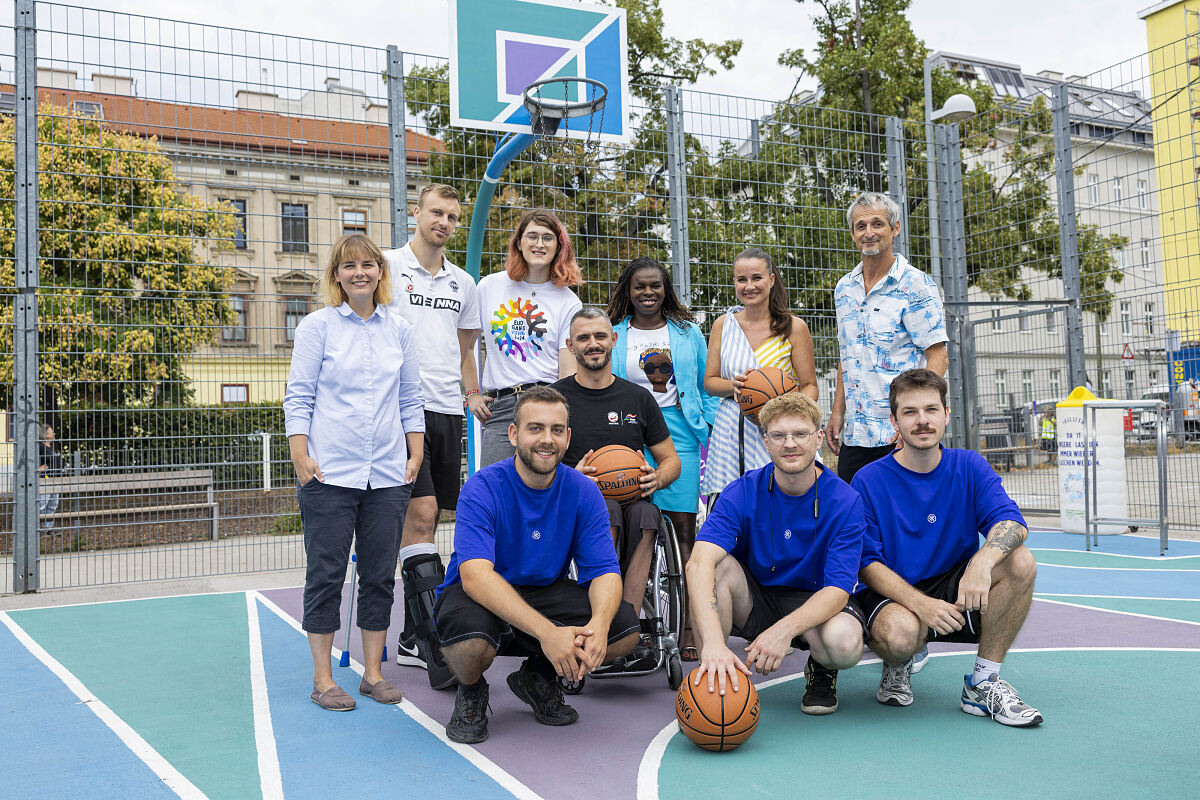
x,y
1006,536
713,603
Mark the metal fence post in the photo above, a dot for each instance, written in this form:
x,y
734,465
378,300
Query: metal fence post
x,y
954,272
897,182
25,310
1068,234
397,146
677,187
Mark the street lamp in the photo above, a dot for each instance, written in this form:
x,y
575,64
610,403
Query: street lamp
x,y
957,108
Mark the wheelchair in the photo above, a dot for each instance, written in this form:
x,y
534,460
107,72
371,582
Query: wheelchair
x,y
664,608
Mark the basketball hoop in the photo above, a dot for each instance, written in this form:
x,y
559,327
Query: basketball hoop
x,y
549,110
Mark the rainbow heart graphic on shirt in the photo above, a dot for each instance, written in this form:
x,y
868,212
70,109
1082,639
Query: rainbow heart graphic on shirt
x,y
519,328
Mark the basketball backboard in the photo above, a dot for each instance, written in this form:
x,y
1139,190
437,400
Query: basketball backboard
x,y
498,47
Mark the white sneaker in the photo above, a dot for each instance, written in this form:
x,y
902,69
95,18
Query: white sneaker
x,y
918,660
895,688
999,700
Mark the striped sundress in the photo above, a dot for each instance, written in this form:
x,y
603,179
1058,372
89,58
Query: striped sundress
x,y
737,357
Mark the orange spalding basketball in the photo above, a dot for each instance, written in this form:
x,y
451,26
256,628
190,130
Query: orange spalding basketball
x,y
762,384
618,469
713,720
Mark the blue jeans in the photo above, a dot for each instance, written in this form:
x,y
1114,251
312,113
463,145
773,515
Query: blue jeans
x,y
333,516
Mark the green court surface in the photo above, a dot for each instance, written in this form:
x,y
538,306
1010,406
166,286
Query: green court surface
x,y
1119,724
1182,610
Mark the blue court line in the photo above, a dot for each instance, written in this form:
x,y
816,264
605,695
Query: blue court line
x,y
373,750
49,734
1162,583
1118,545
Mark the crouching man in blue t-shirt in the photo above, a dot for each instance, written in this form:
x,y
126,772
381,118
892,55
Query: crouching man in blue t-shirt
x,y
926,574
520,523
776,560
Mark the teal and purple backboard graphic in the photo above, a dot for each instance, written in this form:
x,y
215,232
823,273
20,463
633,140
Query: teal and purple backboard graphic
x,y
498,47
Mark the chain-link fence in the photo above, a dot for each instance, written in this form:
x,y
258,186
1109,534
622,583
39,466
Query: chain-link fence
x,y
188,181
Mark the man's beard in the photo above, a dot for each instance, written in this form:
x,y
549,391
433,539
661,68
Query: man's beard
x,y
527,458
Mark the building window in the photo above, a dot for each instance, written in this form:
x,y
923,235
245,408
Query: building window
x,y
1026,386
1052,322
1118,190
1144,254
1023,323
1106,383
1001,388
236,332
1119,254
1126,319
1143,189
1055,384
1149,319
1093,188
235,393
239,216
294,218
1153,377
1129,384
294,310
997,323
353,222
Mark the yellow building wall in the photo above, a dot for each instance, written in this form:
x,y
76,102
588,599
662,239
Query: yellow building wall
x,y
265,376
1174,130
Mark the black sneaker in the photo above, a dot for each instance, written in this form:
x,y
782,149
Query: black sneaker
x,y
820,696
543,695
414,651
468,724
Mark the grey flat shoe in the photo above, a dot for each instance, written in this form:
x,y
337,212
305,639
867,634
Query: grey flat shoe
x,y
333,699
381,692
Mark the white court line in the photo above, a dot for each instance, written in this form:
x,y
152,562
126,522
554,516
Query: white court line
x,y
269,777
1039,595
1115,568
482,762
1115,611
647,780
172,778
1109,555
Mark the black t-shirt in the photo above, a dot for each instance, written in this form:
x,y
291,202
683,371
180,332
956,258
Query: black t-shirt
x,y
624,413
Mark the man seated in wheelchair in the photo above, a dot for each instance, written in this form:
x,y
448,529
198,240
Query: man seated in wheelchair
x,y
521,523
604,410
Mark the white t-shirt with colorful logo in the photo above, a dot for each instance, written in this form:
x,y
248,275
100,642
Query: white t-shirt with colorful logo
x,y
648,363
437,306
524,326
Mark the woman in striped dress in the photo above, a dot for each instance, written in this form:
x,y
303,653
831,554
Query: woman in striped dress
x,y
759,333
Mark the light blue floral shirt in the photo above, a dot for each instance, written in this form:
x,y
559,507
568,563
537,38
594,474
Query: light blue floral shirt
x,y
882,333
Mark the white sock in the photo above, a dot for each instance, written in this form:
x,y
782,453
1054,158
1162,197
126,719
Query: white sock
x,y
419,549
984,669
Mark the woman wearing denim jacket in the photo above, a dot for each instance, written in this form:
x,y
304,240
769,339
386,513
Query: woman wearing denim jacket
x,y
659,347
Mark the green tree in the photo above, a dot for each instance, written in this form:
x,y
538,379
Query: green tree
x,y
124,295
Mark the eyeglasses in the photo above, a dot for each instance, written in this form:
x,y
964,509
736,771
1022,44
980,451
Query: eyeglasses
x,y
544,238
666,369
780,437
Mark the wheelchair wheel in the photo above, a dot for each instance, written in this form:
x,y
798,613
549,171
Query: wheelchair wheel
x,y
570,686
665,598
674,672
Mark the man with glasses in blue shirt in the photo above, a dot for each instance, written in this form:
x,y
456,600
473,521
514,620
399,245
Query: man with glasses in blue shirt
x,y
776,560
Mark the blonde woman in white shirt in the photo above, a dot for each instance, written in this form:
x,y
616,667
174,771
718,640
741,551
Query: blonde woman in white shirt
x,y
525,314
355,424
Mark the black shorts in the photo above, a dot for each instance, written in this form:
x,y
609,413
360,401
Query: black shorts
x,y
852,458
772,603
630,520
440,475
940,587
459,618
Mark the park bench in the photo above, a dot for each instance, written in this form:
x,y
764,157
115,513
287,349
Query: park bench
x,y
166,490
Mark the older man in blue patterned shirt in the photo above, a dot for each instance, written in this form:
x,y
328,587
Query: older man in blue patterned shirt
x,y
889,319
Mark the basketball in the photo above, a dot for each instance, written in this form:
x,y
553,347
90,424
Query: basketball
x,y
716,721
762,384
618,469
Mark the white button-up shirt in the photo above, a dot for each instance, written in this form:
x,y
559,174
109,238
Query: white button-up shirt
x,y
882,333
354,389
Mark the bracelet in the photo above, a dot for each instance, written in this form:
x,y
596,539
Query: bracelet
x,y
470,393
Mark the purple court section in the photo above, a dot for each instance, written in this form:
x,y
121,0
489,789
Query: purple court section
x,y
526,62
626,714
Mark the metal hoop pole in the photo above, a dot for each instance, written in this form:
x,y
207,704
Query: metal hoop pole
x,y
509,148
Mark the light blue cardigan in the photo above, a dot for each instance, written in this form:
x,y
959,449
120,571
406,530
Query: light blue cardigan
x,y
689,351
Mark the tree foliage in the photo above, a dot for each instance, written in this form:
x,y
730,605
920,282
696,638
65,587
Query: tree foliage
x,y
124,295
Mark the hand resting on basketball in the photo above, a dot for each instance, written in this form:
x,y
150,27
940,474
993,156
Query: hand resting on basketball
x,y
739,383
583,467
721,666
649,479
